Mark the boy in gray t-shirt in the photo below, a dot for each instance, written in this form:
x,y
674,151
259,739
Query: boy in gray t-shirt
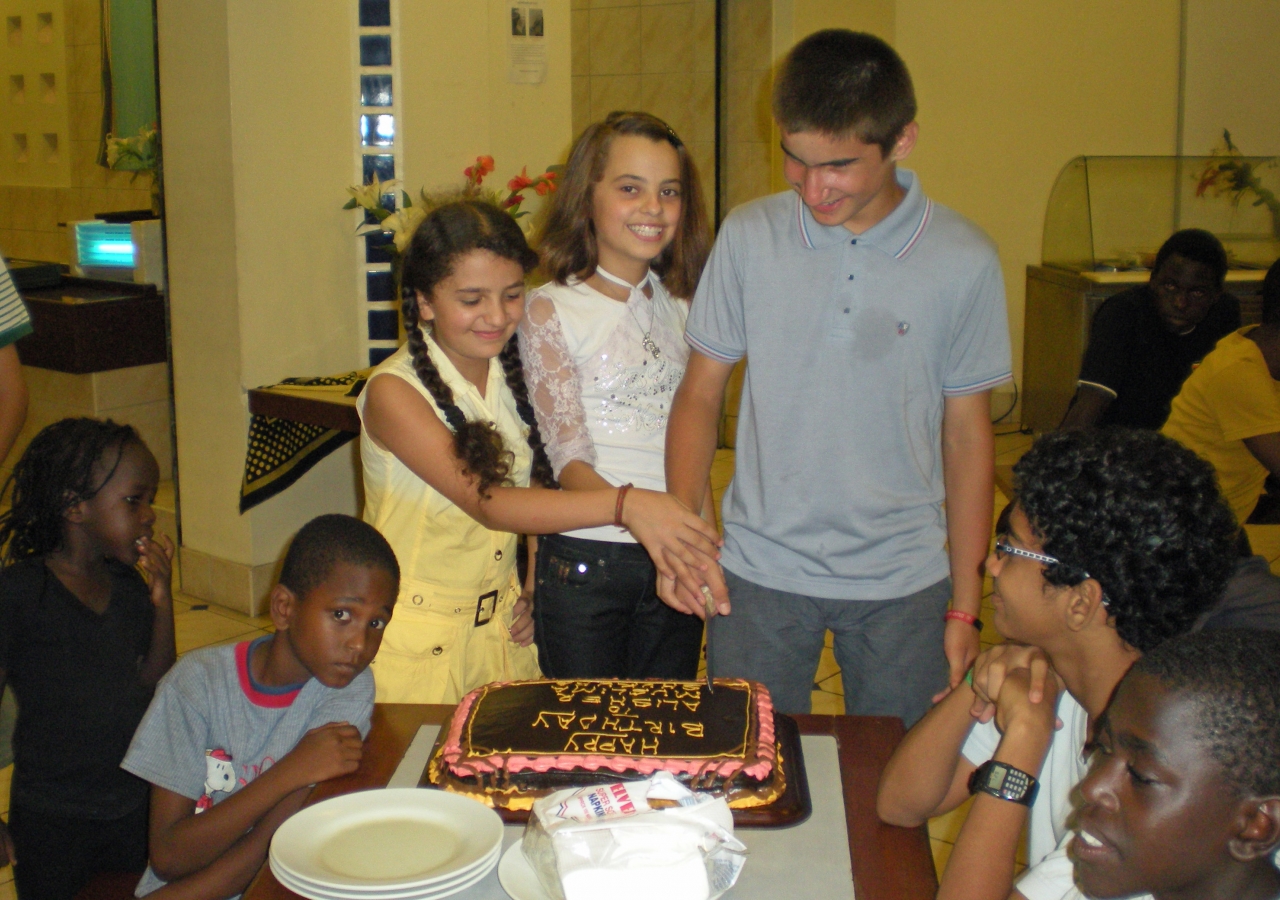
x,y
236,736
874,326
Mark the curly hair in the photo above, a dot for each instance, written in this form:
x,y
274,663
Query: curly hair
x,y
1234,677
66,463
447,233
1137,512
567,239
328,540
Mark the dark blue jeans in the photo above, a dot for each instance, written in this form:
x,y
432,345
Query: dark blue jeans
x,y
596,614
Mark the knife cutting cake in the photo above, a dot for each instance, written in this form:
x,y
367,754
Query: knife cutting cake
x,y
510,743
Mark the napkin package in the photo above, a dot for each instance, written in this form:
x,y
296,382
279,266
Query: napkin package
x,y
634,839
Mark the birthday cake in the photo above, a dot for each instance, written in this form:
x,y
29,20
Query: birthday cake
x,y
510,743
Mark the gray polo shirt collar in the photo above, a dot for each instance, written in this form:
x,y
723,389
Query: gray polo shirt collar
x,y
896,234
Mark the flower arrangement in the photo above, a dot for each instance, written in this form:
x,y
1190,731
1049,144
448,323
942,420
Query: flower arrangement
x,y
140,155
1226,173
400,224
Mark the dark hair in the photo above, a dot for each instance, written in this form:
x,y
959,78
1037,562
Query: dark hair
x,y
447,233
1271,295
1234,677
59,469
1197,245
1137,512
567,240
328,540
839,82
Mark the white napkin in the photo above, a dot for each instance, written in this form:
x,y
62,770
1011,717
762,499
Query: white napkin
x,y
607,841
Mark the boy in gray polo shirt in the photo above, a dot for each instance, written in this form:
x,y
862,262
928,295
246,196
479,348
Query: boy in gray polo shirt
x,y
873,321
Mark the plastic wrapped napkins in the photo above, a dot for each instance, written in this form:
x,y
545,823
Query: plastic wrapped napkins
x,y
634,839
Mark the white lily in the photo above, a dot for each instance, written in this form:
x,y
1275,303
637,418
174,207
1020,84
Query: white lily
x,y
369,195
403,224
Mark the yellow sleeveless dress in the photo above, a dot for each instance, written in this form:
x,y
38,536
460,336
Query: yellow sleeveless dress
x,y
449,632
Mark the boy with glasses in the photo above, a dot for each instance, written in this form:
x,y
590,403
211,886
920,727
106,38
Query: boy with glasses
x,y
1116,541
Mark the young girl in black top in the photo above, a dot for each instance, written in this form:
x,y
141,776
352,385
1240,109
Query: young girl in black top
x,y
83,640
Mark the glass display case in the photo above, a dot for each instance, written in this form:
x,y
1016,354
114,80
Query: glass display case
x,y
1111,213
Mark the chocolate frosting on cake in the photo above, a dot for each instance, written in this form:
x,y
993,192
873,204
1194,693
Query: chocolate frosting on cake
x,y
636,718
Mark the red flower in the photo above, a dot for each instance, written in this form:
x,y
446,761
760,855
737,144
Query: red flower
x,y
544,187
475,174
521,181
1208,179
512,200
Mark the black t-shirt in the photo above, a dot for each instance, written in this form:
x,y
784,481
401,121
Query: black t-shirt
x,y
1132,353
75,675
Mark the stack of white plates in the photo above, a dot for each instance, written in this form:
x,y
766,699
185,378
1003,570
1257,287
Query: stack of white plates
x,y
393,844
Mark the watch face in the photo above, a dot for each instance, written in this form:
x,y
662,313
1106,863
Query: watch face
x,y
1002,781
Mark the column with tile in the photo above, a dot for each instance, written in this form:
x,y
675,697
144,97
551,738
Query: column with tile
x,y
378,155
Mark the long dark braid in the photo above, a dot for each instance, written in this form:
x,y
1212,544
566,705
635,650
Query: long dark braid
x,y
542,472
59,469
448,232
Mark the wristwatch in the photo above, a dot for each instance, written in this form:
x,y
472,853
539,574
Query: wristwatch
x,y
1004,781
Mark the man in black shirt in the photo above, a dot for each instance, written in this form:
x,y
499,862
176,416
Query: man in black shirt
x,y
1144,341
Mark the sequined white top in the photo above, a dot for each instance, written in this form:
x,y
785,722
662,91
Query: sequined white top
x,y
600,396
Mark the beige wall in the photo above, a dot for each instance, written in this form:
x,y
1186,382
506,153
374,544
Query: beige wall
x,y
259,114
458,103
30,216
258,147
1010,91
654,56
1232,70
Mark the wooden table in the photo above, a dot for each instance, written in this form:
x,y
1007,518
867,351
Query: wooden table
x,y
328,410
889,863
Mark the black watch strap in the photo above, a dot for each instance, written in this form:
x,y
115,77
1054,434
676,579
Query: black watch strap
x,y
1004,781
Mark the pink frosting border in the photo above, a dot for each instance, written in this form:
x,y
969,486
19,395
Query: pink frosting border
x,y
645,765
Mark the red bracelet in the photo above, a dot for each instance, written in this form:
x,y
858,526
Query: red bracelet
x,y
961,616
617,510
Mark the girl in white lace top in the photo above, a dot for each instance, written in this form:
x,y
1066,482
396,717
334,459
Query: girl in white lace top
x,y
603,352
449,448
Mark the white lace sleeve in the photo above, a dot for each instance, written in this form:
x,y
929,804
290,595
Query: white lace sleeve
x,y
555,388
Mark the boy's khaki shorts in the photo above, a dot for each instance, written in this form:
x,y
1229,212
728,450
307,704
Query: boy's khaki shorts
x,y
434,651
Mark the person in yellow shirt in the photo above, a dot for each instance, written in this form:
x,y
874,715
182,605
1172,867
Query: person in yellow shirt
x,y
1228,410
454,468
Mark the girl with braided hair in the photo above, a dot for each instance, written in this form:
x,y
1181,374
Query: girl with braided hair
x,y
83,640
449,447
625,241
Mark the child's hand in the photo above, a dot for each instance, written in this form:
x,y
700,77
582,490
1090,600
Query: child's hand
x,y
1016,711
700,601
521,628
7,857
992,667
157,562
682,545
325,752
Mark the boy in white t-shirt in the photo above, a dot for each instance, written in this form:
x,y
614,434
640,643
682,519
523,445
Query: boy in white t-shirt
x,y
1182,798
1116,541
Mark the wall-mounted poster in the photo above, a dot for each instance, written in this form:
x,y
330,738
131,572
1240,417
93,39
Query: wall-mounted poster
x,y
528,46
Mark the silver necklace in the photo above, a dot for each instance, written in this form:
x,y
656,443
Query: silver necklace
x,y
646,336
